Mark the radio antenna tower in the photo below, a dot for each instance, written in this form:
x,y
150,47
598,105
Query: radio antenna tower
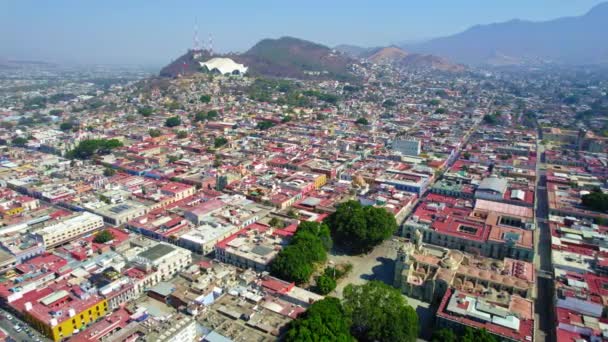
x,y
197,43
210,45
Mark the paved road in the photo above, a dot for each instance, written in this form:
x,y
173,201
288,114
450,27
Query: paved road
x,y
545,287
8,326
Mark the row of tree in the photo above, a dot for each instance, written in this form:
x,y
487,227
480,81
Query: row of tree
x,y
370,312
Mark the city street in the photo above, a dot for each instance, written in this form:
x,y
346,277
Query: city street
x,y
545,312
8,326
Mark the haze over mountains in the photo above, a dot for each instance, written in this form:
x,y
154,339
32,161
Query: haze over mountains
x,y
399,57
297,58
570,40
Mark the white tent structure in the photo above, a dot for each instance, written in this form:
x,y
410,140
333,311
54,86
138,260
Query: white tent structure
x,y
224,66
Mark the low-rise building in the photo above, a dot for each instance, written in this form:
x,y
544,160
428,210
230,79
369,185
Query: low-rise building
x,y
512,321
161,262
68,229
60,310
253,247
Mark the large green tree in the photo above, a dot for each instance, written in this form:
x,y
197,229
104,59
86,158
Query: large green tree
x,y
19,141
103,236
321,230
444,335
307,247
173,121
205,98
88,148
325,320
359,228
145,111
466,335
325,284
477,335
596,200
289,265
379,313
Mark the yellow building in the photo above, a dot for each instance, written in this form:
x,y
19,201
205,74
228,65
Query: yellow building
x,y
12,212
59,314
70,324
320,180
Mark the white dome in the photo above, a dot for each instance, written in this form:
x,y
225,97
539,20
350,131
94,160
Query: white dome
x,y
224,65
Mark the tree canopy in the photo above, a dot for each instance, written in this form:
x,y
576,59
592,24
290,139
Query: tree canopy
x,y
219,142
88,148
360,228
492,119
325,320
444,335
370,312
467,335
477,335
203,116
362,121
379,313
154,132
264,125
66,126
19,141
103,236
109,172
205,98
308,246
325,284
389,104
173,121
145,111
596,200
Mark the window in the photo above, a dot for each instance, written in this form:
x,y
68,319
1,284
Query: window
x,y
467,230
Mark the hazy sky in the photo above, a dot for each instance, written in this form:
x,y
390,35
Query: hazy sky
x,y
151,32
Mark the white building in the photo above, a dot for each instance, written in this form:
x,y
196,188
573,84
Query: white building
x,y
162,262
224,66
69,229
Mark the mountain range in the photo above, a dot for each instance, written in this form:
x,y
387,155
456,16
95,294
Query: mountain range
x,y
567,41
571,40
